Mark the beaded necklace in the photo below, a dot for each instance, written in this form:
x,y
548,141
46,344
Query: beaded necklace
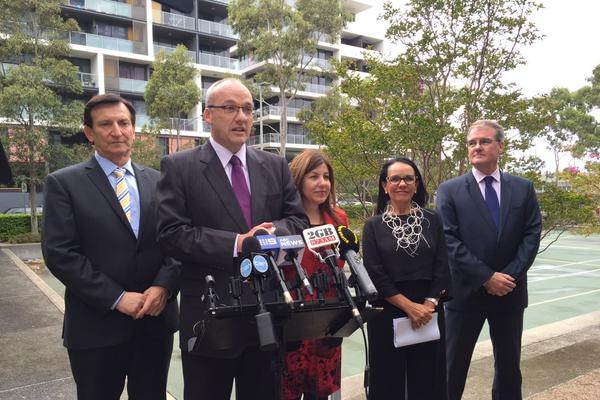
x,y
408,231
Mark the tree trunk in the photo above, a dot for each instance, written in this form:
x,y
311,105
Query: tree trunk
x,y
283,123
32,206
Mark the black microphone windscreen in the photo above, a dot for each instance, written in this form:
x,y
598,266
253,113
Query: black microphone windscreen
x,y
260,232
250,245
348,239
281,231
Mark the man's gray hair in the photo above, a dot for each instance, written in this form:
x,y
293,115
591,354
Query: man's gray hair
x,y
489,123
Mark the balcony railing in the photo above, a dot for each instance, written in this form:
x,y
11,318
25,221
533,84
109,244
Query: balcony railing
x,y
273,138
168,50
275,111
218,61
314,88
176,20
106,42
87,80
132,85
104,6
216,28
316,62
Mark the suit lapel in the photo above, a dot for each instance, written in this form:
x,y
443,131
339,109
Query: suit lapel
x,y
256,171
144,187
477,199
96,175
217,178
505,198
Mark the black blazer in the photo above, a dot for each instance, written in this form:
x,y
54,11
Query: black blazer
x,y
90,247
199,218
476,249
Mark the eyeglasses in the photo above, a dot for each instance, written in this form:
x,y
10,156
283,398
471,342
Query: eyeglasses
x,y
396,179
482,142
233,109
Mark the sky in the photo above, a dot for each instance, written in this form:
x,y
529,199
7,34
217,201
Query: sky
x,y
564,57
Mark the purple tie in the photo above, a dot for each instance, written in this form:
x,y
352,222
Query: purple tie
x,y
240,188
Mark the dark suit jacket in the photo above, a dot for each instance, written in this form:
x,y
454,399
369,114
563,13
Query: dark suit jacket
x,y
476,250
199,218
89,245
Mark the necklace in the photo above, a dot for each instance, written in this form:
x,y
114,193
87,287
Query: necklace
x,y
408,231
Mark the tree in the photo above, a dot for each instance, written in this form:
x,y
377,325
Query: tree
x,y
460,50
35,84
172,92
285,38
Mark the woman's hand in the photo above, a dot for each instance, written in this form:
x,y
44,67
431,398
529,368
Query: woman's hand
x,y
419,314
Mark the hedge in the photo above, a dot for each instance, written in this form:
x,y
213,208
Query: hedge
x,y
12,225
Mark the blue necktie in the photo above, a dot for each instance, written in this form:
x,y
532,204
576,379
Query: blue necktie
x,y
491,200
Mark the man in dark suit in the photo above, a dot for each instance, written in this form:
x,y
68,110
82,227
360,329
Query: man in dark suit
x,y
209,202
492,224
99,240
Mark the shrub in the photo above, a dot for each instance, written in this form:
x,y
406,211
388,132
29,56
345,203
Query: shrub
x,y
12,225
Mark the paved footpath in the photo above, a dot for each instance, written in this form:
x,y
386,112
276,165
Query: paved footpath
x,y
561,361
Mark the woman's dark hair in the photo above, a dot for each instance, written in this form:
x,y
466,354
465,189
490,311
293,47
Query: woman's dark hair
x,y
307,161
420,197
108,98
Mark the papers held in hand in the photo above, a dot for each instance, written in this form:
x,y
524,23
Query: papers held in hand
x,y
405,335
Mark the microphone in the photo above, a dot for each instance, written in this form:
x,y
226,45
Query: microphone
x,y
268,243
322,241
210,293
255,266
291,244
349,253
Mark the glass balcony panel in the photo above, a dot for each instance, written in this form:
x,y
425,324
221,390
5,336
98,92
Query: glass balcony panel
x,y
218,61
176,20
169,50
104,6
132,85
216,28
105,42
87,79
314,88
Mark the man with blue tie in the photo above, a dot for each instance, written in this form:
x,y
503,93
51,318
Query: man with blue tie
x,y
99,240
492,224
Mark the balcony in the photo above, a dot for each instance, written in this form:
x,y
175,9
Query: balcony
x,y
316,62
87,80
216,28
169,50
106,42
126,85
218,61
275,111
314,88
104,6
273,139
175,20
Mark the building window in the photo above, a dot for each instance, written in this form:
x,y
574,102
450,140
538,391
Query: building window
x,y
163,143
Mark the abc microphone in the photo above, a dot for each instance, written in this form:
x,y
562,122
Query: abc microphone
x,y
291,244
322,241
349,253
268,243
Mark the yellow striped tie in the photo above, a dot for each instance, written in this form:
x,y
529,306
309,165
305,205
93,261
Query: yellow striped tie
x,y
123,192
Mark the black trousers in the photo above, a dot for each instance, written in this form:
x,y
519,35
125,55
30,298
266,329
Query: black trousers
x,y
256,376
463,329
100,373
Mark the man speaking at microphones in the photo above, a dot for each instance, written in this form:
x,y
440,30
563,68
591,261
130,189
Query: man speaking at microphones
x,y
210,199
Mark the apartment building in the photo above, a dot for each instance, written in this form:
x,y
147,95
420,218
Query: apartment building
x,y
119,38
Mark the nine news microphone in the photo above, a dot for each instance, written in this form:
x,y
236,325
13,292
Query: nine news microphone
x,y
322,241
349,253
290,246
269,243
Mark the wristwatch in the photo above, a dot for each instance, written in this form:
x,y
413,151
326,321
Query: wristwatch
x,y
433,300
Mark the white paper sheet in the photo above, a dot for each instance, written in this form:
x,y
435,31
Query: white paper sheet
x,y
405,335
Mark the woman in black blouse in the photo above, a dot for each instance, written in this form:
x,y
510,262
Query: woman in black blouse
x,y
404,251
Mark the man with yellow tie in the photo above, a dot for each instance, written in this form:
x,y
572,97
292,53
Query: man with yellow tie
x,y
99,240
